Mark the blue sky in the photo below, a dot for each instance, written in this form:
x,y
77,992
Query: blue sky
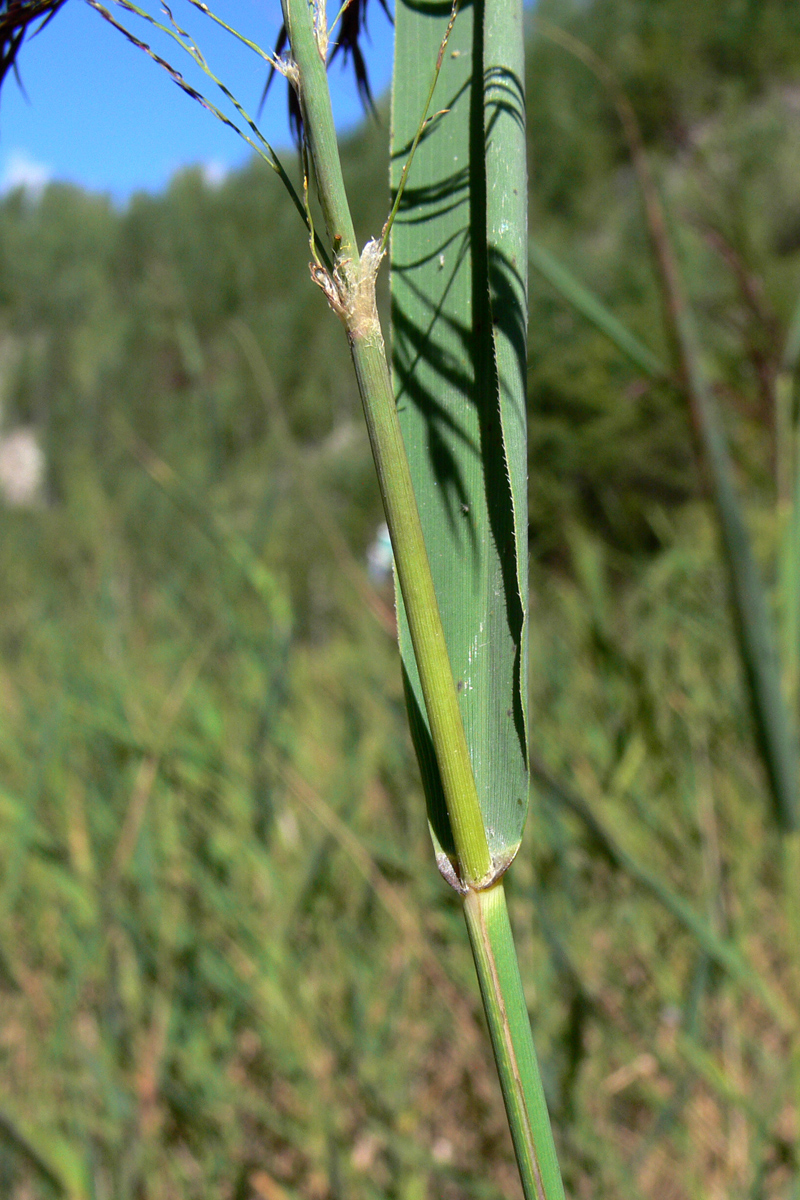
x,y
101,114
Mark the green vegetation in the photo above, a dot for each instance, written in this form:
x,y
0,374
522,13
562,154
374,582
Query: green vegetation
x,y
459,314
220,931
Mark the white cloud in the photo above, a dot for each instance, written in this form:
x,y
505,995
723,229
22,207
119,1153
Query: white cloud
x,y
214,173
20,170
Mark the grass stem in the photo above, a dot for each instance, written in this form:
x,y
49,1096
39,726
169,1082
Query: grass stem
x,y
495,957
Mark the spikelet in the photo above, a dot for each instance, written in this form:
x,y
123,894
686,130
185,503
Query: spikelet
x,y
346,40
15,18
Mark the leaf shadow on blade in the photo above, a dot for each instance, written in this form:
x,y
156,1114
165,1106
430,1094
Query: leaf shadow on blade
x,y
454,297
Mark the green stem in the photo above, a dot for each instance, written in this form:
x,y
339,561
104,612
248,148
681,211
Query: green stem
x,y
351,293
509,1027
422,609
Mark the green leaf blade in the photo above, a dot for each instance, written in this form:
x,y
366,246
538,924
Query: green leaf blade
x,y
458,297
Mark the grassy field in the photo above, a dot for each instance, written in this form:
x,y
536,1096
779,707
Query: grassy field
x,y
228,968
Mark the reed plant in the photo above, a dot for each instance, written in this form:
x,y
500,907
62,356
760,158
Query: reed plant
x,y
446,420
448,440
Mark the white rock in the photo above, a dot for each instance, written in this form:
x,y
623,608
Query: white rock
x,y
21,468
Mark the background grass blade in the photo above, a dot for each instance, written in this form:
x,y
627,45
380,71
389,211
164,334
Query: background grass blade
x,y
22,1145
757,643
787,456
595,312
777,740
723,952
